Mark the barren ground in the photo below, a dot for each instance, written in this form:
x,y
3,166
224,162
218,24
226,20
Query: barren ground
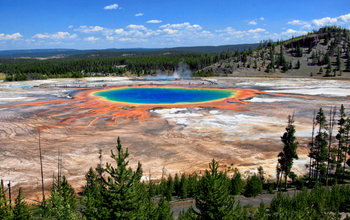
x,y
181,139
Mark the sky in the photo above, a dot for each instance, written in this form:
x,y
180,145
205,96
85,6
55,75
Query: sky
x,y
92,24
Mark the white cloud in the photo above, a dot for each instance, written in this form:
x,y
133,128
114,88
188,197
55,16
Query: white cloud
x,y
291,32
176,26
86,29
256,30
70,26
125,39
91,38
94,29
252,23
185,25
119,31
341,20
110,38
154,21
297,22
55,36
139,14
262,18
170,31
136,27
14,36
110,7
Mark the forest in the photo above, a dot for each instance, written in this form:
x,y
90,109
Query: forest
x,y
327,48
115,191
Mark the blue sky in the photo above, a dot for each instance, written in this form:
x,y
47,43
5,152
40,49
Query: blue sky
x,y
92,24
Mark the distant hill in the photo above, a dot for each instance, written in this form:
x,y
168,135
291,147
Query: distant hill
x,y
113,52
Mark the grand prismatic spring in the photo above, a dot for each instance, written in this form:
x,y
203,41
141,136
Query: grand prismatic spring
x,y
237,121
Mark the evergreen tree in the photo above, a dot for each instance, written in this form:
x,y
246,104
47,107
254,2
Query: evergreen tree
x,y
253,187
237,184
163,211
289,153
192,185
177,184
261,213
213,200
169,188
298,64
93,201
5,207
188,215
151,189
123,197
183,187
20,210
320,153
339,59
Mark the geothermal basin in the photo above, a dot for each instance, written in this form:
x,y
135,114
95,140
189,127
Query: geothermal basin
x,y
239,123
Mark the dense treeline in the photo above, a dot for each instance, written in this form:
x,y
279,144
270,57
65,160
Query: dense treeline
x,y
139,65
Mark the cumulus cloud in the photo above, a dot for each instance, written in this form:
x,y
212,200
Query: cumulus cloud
x,y
262,18
110,7
125,39
14,36
139,14
110,38
86,29
119,31
170,31
256,30
94,29
185,25
70,26
56,36
341,20
297,22
91,38
154,21
252,23
291,32
136,27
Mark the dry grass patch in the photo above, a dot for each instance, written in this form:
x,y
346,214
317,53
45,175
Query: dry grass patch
x,y
2,76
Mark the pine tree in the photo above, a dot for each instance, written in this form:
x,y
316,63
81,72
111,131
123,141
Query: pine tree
x,y
93,201
298,64
151,189
261,213
237,184
289,153
62,203
253,187
123,197
192,185
5,206
213,200
163,211
339,60
189,214
320,150
177,184
20,210
183,187
169,188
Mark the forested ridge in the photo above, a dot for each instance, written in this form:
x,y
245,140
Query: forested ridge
x,y
325,52
115,191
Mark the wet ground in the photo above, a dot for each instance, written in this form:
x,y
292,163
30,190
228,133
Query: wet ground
x,y
244,131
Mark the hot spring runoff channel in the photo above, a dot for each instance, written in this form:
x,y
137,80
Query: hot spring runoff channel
x,y
164,95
